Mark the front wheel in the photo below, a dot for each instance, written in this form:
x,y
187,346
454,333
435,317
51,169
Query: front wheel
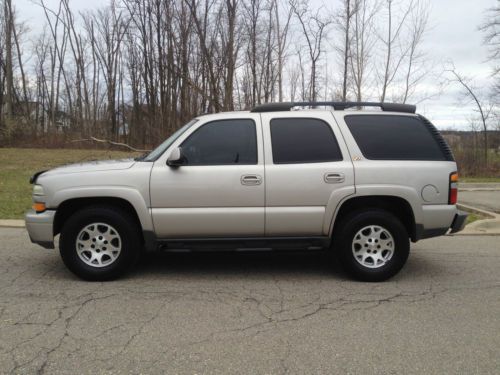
x,y
99,243
372,245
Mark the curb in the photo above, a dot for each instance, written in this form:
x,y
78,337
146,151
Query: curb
x,y
478,189
12,224
484,227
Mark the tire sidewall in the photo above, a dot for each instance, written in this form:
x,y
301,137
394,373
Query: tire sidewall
x,y
120,221
351,226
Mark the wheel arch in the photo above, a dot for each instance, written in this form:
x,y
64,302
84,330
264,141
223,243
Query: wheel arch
x,y
398,206
66,208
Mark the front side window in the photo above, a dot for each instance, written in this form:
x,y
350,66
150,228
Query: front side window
x,y
223,142
303,140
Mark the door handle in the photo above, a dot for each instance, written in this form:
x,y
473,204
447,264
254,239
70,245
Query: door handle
x,y
251,179
334,178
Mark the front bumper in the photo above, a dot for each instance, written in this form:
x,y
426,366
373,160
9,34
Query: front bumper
x,y
459,221
40,227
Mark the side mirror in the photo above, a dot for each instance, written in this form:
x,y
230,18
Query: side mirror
x,y
176,158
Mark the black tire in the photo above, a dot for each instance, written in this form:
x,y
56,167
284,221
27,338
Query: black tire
x,y
121,221
344,237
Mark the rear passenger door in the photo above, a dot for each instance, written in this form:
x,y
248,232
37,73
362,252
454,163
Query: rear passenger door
x,y
308,171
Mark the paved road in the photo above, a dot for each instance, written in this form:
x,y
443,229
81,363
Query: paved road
x,y
252,313
488,200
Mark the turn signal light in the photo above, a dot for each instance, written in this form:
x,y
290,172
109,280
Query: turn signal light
x,y
453,195
39,207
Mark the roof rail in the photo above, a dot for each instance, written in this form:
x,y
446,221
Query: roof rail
x,y
287,106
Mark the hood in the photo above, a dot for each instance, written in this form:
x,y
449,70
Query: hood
x,y
92,166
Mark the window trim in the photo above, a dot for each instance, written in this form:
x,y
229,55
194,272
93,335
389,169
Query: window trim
x,y
304,162
398,115
225,120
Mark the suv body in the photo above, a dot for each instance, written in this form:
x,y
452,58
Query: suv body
x,y
271,178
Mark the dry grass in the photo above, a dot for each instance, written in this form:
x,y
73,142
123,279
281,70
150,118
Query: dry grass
x,y
18,164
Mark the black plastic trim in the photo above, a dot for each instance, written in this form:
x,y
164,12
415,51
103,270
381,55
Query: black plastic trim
x,y
36,175
244,243
459,221
287,106
421,233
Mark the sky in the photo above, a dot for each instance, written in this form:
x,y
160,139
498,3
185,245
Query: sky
x,y
453,35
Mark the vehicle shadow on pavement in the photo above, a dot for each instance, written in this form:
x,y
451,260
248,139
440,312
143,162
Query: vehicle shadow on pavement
x,y
236,264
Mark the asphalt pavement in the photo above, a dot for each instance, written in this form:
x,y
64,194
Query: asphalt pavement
x,y
258,313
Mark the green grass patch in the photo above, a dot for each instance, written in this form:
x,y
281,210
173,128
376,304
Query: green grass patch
x,y
472,218
18,164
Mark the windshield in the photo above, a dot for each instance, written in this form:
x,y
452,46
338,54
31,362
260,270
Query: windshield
x,y
158,151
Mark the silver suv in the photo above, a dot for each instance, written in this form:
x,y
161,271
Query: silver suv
x,y
283,176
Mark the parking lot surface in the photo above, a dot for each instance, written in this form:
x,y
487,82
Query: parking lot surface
x,y
270,313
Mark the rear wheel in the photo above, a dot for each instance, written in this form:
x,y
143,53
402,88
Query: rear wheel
x,y
100,243
371,245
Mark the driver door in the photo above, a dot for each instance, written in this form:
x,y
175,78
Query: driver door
x,y
219,189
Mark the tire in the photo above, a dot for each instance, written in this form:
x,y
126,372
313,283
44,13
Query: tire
x,y
100,243
371,245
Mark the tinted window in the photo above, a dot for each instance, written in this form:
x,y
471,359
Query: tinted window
x,y
303,140
393,138
221,143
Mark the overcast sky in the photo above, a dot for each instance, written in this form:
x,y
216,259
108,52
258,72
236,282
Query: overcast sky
x,y
453,35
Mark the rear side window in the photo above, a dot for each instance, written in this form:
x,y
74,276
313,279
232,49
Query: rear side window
x,y
382,137
222,142
303,140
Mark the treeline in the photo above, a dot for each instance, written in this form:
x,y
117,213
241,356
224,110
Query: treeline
x,y
135,70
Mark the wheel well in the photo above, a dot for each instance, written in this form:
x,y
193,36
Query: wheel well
x,y
67,208
399,207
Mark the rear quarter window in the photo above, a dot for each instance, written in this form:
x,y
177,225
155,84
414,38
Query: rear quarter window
x,y
387,137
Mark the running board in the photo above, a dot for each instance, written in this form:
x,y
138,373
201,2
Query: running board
x,y
244,244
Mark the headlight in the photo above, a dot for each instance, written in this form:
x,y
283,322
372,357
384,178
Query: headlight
x,y
38,190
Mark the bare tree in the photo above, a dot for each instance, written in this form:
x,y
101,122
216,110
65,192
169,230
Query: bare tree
x,y
134,70
471,94
362,43
282,40
9,80
314,27
416,69
491,30
390,41
344,20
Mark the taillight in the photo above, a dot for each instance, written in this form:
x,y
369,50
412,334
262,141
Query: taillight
x,y
453,195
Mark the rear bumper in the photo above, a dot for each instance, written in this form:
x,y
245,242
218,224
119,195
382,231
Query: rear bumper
x,y
40,227
459,221
436,216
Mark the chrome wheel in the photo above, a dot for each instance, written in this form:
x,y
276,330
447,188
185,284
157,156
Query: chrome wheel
x,y
98,245
373,246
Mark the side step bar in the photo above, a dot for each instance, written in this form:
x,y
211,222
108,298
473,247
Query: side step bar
x,y
243,244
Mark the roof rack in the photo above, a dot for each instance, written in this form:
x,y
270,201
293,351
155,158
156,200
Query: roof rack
x,y
338,106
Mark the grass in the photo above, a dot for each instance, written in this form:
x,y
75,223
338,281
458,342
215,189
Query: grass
x,y
18,164
473,217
